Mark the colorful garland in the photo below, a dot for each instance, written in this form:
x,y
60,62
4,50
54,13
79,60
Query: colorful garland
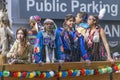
x,y
63,74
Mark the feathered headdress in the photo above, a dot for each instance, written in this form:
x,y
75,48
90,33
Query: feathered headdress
x,y
36,19
50,20
3,15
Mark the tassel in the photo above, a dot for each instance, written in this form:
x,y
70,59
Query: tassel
x,y
47,55
53,55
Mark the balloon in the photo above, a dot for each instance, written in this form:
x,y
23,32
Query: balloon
x,y
115,67
74,73
64,74
60,74
19,74
78,73
31,75
15,74
1,74
6,73
28,74
24,74
42,75
119,66
104,70
82,71
109,69
100,71
70,72
91,72
47,75
38,73
52,73
96,71
87,72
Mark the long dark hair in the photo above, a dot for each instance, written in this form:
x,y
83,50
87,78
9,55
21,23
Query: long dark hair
x,y
24,30
95,18
24,42
67,17
84,16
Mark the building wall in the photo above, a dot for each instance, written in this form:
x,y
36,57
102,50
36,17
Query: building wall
x,y
110,25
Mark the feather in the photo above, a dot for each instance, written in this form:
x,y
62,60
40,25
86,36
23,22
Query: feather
x,y
101,13
1,15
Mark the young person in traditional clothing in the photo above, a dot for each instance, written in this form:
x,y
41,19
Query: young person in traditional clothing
x,y
48,44
21,50
81,22
93,37
73,42
35,24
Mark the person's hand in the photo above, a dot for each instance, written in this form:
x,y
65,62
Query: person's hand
x,y
61,49
110,59
36,49
78,34
29,32
65,28
13,55
88,62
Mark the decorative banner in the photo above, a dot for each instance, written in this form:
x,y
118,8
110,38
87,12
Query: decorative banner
x,y
48,74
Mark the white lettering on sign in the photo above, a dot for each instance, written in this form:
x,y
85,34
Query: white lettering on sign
x,y
112,31
54,6
72,6
94,7
30,3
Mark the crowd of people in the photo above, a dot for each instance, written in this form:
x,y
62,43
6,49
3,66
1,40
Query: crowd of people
x,y
80,39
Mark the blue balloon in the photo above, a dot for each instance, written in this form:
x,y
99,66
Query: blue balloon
x,y
28,74
1,74
47,75
64,74
87,72
74,73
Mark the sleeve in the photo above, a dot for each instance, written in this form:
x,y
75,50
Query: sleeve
x,y
38,48
59,46
84,53
39,43
12,50
29,53
10,32
10,36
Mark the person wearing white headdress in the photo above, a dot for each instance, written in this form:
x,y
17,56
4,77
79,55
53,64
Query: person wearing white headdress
x,y
35,25
47,41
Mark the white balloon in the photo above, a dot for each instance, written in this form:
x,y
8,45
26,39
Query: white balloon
x,y
52,73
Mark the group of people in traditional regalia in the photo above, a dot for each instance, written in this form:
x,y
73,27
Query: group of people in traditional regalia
x,y
80,39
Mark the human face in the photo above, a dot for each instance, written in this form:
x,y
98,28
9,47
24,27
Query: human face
x,y
49,26
20,35
78,19
32,24
91,21
70,22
